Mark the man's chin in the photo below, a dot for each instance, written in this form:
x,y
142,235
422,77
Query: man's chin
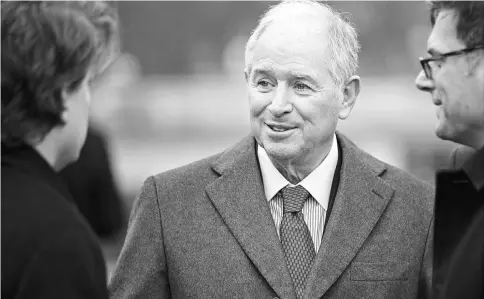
x,y
440,134
280,151
444,133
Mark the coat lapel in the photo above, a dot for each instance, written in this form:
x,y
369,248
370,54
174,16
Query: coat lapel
x,y
360,201
238,195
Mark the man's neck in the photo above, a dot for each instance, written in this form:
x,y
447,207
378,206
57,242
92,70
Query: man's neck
x,y
48,151
295,170
292,172
476,141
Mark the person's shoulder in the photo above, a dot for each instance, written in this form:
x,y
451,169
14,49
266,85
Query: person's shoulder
x,y
205,169
23,193
44,218
415,192
391,173
194,171
38,221
74,238
36,211
409,182
405,184
180,182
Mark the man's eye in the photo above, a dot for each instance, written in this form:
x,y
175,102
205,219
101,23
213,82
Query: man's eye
x,y
437,63
301,87
263,83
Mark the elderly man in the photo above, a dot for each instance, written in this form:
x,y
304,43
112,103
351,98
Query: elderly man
x,y
454,75
294,211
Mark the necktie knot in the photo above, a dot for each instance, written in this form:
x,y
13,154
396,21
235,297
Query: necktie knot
x,y
294,198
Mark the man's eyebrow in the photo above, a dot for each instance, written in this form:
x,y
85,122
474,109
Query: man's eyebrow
x,y
308,77
263,71
301,75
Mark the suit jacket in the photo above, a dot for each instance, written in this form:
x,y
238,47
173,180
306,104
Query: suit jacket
x,y
205,231
459,227
48,249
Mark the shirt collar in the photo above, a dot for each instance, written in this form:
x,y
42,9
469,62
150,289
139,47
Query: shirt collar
x,y
317,183
474,168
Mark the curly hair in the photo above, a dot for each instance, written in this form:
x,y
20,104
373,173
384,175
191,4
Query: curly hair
x,y
470,19
49,47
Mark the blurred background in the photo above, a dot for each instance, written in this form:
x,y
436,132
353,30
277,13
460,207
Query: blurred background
x,y
177,93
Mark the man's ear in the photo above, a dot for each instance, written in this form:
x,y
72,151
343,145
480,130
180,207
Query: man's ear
x,y
64,97
246,74
350,92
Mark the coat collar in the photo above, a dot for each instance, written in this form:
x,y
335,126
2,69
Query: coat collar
x,y
28,161
239,197
474,168
360,201
247,146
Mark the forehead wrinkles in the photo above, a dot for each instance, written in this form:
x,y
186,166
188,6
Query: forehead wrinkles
x,y
290,39
284,70
295,27
282,63
298,27
293,34
280,54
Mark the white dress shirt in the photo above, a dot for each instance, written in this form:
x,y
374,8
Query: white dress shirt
x,y
317,183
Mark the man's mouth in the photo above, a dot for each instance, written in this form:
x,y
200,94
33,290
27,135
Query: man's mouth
x,y
280,128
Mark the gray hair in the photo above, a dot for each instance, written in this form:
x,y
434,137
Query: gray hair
x,y
343,46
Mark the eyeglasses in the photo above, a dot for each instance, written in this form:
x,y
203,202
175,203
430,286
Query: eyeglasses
x,y
425,62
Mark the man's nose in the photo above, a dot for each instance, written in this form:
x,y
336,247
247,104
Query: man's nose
x,y
423,83
280,103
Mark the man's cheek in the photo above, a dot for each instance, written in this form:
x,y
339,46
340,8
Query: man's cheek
x,y
257,106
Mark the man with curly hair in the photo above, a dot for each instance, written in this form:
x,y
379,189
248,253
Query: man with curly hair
x,y
453,73
51,51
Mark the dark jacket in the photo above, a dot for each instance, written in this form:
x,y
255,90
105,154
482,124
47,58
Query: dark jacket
x,y
459,228
48,249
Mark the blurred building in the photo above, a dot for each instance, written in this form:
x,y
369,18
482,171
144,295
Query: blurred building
x,y
190,36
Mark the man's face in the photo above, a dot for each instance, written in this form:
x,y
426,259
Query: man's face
x,y
294,105
457,86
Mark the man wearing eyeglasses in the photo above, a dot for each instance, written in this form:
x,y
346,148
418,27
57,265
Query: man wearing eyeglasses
x,y
454,76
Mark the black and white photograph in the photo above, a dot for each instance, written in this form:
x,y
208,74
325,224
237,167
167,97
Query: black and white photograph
x,y
294,149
